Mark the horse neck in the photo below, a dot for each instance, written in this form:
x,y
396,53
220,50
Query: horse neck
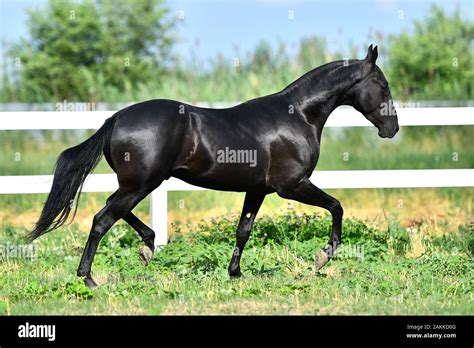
x,y
316,94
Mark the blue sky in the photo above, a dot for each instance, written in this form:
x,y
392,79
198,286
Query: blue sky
x,y
220,26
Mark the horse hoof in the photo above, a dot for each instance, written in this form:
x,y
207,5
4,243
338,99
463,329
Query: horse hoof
x,y
321,259
90,283
145,255
236,275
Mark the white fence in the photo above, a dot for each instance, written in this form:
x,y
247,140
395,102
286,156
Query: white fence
x,y
21,184
341,117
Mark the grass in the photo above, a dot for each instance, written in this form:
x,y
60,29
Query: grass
x,y
379,271
442,209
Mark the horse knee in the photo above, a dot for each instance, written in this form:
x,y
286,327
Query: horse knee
x,y
149,237
336,209
149,234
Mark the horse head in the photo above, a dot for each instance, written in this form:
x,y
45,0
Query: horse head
x,y
371,96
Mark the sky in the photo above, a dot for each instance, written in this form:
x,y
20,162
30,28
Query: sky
x,y
210,27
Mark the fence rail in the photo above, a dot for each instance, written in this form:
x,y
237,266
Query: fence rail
x,y
341,117
23,184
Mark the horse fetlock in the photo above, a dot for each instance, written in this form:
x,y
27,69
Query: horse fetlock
x,y
145,254
234,272
149,238
150,243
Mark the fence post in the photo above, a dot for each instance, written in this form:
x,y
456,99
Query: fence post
x,y
159,215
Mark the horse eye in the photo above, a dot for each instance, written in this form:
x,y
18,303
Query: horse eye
x,y
384,85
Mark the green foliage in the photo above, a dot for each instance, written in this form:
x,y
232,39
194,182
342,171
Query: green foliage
x,y
3,308
435,61
76,47
189,275
313,52
77,289
117,50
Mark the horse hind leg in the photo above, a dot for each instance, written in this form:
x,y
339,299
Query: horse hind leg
x,y
147,235
119,205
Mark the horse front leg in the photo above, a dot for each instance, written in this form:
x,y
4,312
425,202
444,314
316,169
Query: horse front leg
x,y
252,204
307,193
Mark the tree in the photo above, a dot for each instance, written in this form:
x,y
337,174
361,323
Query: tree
x,y
436,60
76,47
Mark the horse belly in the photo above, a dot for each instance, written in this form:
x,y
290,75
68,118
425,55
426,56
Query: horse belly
x,y
221,168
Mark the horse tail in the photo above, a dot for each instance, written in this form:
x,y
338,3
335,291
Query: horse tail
x,y
72,167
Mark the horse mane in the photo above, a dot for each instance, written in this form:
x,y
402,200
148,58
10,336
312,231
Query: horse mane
x,y
321,73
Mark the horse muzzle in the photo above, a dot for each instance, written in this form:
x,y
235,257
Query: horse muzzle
x,y
385,132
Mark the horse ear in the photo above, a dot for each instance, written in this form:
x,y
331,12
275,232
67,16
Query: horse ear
x,y
368,57
375,54
372,54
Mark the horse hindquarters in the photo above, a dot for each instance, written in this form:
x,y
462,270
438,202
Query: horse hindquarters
x,y
142,150
145,142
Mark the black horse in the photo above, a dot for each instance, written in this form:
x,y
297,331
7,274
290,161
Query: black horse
x,y
149,142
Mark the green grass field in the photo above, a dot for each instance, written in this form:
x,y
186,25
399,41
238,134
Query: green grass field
x,y
388,271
